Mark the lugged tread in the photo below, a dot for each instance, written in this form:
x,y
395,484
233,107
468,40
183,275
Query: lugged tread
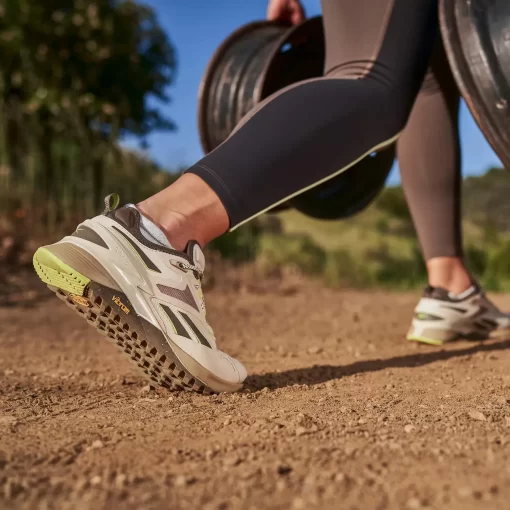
x,y
77,291
159,368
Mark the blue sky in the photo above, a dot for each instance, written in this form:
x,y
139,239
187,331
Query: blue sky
x,y
196,28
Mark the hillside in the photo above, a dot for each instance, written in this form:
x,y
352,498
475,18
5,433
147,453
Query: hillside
x,y
379,246
487,199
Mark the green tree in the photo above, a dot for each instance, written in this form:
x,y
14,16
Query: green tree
x,y
103,59
76,76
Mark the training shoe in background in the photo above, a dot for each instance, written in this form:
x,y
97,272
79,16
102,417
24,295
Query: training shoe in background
x,y
442,317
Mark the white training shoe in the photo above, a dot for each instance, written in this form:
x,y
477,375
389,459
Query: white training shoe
x,y
443,317
120,273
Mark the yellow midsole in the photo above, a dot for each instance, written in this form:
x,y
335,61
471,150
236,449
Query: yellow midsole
x,y
424,340
53,271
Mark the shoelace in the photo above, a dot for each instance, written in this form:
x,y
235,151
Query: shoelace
x,y
185,266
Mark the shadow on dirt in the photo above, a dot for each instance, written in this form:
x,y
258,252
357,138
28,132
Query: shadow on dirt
x,y
322,373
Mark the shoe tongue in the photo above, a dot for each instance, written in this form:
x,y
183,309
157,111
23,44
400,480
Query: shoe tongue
x,y
150,230
196,254
154,234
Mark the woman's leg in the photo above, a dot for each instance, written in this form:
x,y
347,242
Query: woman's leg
x,y
429,157
429,153
311,131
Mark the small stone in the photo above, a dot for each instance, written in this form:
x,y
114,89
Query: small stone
x,y
281,485
301,419
264,390
408,428
390,386
465,492
284,469
8,420
314,350
362,421
228,421
181,480
477,415
300,431
120,480
298,504
502,400
232,461
414,504
146,389
8,371
340,477
97,444
95,480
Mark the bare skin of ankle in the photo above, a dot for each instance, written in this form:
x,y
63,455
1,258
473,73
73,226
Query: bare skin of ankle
x,y
449,273
187,210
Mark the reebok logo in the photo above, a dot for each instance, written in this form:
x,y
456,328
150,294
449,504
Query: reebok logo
x,y
80,300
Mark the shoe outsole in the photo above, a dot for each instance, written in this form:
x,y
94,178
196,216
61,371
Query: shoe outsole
x,y
493,335
110,312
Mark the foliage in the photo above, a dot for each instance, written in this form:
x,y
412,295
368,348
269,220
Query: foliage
x,y
393,202
486,200
343,269
296,250
241,245
497,274
76,76
100,61
379,247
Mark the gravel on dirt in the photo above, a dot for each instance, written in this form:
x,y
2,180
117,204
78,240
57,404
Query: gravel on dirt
x,y
339,412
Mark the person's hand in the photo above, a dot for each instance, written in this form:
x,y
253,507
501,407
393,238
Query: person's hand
x,y
287,11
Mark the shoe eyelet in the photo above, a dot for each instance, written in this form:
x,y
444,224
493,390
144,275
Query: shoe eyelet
x,y
179,265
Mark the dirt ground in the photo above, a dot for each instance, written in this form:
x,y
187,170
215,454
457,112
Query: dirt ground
x,y
339,412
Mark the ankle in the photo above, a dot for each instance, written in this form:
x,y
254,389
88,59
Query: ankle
x,y
449,273
187,210
171,223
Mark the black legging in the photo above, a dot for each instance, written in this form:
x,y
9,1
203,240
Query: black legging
x,y
377,55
